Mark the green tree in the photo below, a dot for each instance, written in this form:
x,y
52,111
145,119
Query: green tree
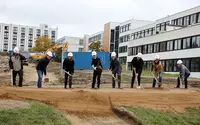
x,y
42,44
95,46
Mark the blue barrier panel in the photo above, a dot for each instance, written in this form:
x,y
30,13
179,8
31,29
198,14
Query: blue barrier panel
x,y
83,59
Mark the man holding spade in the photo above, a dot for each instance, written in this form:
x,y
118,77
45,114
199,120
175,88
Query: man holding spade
x,y
68,67
97,66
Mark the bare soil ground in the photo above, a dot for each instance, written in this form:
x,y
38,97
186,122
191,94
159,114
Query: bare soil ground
x,y
85,106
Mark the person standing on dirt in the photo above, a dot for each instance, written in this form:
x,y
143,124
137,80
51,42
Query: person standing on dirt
x,y
115,69
156,70
97,66
41,68
16,64
137,65
184,73
68,67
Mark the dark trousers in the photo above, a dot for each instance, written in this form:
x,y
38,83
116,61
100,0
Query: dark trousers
x,y
119,80
20,74
66,80
96,75
138,78
40,75
185,81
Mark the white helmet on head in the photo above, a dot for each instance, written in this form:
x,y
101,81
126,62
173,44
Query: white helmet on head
x,y
113,54
70,54
94,53
139,55
50,54
16,50
157,57
179,62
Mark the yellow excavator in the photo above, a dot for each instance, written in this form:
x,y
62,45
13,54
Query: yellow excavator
x,y
52,49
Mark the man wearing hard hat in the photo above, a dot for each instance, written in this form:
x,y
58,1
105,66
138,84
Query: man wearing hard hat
x,y
183,74
97,66
16,64
157,69
116,69
137,65
41,68
68,66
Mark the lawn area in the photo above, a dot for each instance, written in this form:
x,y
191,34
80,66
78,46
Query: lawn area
x,y
37,114
154,117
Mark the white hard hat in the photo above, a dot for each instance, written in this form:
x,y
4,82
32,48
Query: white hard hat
x,y
70,54
94,53
139,55
157,57
113,54
50,54
179,62
16,50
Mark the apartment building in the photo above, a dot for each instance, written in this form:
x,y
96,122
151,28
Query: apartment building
x,y
12,35
173,37
75,43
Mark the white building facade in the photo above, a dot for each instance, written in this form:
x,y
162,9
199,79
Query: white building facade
x,y
125,35
75,43
12,35
174,37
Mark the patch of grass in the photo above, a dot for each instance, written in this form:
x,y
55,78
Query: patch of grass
x,y
38,114
155,117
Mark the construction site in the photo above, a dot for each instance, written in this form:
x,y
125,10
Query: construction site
x,y
85,106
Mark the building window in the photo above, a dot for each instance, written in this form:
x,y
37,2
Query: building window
x,y
162,46
129,26
46,32
187,63
123,49
169,45
80,42
6,27
163,27
122,60
158,27
23,30
180,21
186,43
198,19
139,49
186,21
150,32
150,48
80,49
156,48
193,18
195,41
134,50
147,32
130,51
14,29
195,67
121,39
144,49
132,36
128,37
177,44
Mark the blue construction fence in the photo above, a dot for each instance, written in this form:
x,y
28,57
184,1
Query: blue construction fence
x,y
83,59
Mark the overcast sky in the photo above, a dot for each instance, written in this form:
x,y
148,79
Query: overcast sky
x,y
79,17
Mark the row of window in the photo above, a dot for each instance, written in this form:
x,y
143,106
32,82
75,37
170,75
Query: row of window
x,y
171,65
162,27
125,28
187,20
143,33
125,38
122,49
95,38
177,44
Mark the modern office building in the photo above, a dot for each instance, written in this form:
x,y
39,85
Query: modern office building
x,y
12,35
125,35
173,37
75,43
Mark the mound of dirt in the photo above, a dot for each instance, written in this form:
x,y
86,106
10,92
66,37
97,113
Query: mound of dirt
x,y
11,104
4,65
